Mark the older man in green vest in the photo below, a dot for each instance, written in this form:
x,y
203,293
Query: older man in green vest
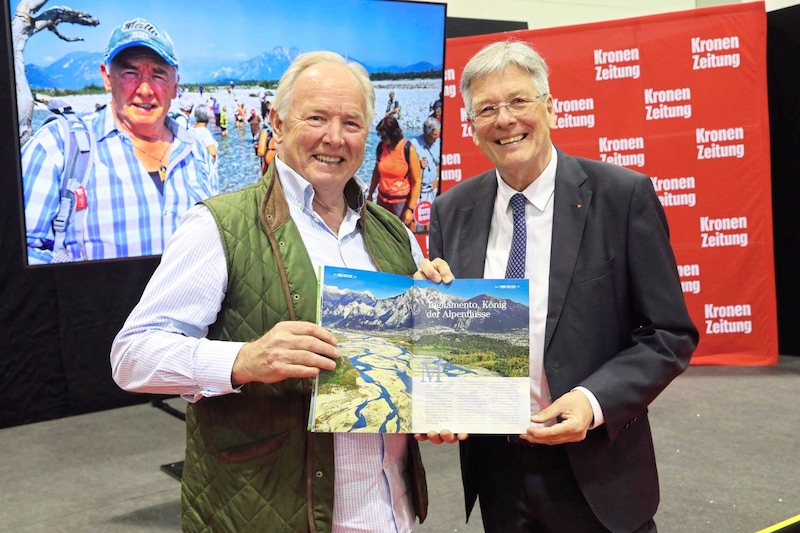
x,y
242,267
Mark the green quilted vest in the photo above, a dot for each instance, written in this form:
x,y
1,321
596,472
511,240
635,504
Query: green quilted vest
x,y
251,465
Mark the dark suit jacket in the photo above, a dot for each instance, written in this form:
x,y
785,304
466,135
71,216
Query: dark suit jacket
x,y
616,323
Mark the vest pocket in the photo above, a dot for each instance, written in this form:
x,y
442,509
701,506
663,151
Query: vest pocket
x,y
251,451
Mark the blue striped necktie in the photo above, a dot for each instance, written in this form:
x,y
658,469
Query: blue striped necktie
x,y
516,259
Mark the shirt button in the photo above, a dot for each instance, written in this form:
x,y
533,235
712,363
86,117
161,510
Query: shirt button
x,y
319,473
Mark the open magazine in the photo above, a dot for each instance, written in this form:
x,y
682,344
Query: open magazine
x,y
420,356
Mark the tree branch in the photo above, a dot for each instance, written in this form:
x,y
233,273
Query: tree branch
x,y
52,17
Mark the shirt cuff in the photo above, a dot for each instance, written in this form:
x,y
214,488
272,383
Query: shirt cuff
x,y
598,413
214,362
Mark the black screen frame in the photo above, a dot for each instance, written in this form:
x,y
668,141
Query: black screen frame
x,y
58,321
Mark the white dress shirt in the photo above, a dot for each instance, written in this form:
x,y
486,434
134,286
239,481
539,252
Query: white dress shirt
x,y
162,349
539,224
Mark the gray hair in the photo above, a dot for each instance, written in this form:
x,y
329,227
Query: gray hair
x,y
497,57
285,90
201,114
430,125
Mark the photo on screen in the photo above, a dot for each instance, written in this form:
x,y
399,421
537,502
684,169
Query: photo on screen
x,y
90,193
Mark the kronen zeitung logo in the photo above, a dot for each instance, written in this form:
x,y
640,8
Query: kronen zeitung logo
x,y
616,64
663,104
706,53
625,152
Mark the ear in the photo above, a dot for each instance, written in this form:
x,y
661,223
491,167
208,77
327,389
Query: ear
x,y
474,134
106,77
551,112
177,83
277,125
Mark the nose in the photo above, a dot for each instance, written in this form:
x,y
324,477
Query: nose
x,y
333,134
144,87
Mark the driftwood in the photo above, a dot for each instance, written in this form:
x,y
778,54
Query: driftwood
x,y
27,22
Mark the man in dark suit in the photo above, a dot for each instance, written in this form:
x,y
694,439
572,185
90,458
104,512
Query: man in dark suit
x,y
609,326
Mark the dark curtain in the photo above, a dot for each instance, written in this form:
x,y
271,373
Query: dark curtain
x,y
783,72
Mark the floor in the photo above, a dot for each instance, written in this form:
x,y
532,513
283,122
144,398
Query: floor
x,y
727,440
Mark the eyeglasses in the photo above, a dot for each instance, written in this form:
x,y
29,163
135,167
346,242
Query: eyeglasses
x,y
516,107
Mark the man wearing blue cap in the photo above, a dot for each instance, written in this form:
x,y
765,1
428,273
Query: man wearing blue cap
x,y
144,170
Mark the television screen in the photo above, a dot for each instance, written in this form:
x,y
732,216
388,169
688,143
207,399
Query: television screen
x,y
89,200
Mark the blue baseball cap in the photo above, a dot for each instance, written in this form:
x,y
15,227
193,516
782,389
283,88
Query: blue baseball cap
x,y
140,32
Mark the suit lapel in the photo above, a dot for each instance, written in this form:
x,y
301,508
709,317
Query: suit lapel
x,y
570,209
475,234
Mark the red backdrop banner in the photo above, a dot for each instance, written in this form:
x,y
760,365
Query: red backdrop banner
x,y
681,97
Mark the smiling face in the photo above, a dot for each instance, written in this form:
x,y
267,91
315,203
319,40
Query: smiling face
x,y
518,145
323,135
142,86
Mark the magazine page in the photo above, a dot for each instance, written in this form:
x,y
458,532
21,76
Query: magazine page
x,y
420,356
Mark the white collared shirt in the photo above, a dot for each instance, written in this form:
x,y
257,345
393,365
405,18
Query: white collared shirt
x,y
539,223
183,298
